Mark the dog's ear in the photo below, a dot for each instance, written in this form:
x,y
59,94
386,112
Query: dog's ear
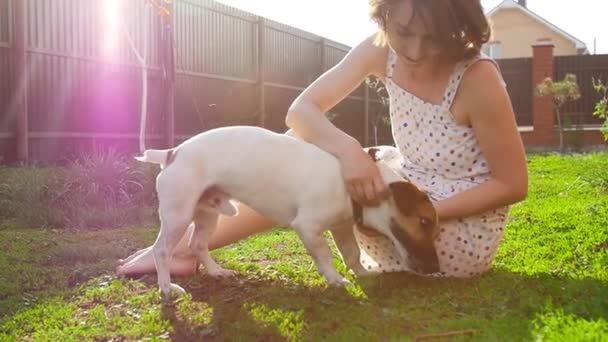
x,y
407,196
373,153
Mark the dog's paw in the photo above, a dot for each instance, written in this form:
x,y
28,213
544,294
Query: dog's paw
x,y
174,291
339,282
361,273
221,273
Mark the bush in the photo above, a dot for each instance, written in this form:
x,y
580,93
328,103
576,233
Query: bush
x,y
601,108
102,189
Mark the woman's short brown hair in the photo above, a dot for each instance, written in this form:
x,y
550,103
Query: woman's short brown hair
x,y
460,25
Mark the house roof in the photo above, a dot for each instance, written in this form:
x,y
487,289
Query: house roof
x,y
511,4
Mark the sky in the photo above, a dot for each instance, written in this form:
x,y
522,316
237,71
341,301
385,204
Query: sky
x,y
347,22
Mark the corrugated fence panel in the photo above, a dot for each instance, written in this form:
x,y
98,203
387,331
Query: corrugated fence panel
x,y
350,117
202,103
7,121
291,58
4,21
350,112
334,53
92,29
85,85
277,102
80,96
214,42
585,68
517,74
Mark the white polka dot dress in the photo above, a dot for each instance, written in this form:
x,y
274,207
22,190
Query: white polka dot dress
x,y
442,158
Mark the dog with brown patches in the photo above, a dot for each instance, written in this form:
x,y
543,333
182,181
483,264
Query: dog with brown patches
x,y
289,181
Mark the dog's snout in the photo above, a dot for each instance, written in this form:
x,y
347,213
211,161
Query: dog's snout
x,y
422,253
426,263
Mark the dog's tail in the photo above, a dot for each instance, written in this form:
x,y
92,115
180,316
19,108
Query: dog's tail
x,y
162,157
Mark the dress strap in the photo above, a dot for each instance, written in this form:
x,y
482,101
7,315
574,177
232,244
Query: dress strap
x,y
390,63
458,74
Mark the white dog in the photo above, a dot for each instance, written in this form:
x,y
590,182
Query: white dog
x,y
291,182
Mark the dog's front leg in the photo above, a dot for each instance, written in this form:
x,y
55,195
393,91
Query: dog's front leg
x,y
312,236
205,223
346,242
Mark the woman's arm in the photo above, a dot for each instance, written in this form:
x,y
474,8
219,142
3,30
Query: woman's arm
x,y
489,110
306,117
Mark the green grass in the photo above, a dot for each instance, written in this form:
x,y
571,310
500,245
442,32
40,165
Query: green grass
x,y
549,282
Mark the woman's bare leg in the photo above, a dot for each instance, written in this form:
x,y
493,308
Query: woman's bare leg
x,y
232,229
183,262
132,256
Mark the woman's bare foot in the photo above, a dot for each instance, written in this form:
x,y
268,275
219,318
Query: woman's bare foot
x,y
142,262
183,262
132,256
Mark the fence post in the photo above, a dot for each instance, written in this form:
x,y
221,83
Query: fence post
x,y
261,71
543,115
168,41
20,78
322,53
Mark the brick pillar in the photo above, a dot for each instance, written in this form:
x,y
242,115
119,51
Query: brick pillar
x,y
544,117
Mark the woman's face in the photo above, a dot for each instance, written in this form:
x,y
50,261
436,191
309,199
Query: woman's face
x,y
411,36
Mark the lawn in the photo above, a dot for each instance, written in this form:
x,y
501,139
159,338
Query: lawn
x,y
549,282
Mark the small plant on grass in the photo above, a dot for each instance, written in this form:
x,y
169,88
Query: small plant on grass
x,y
560,93
601,108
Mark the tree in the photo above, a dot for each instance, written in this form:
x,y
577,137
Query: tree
x,y
380,116
143,66
560,93
162,8
601,108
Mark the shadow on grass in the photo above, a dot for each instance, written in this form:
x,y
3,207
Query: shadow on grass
x,y
497,305
501,305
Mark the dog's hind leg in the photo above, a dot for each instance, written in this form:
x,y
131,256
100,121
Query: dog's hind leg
x,y
174,223
205,222
311,235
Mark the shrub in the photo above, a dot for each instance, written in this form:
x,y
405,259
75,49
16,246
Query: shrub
x,y
101,189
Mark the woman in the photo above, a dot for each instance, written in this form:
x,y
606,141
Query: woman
x,y
452,123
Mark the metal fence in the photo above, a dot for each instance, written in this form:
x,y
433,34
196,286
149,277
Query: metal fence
x,y
232,67
517,74
6,122
585,68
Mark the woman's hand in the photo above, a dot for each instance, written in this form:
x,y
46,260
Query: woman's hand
x,y
362,176
307,120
